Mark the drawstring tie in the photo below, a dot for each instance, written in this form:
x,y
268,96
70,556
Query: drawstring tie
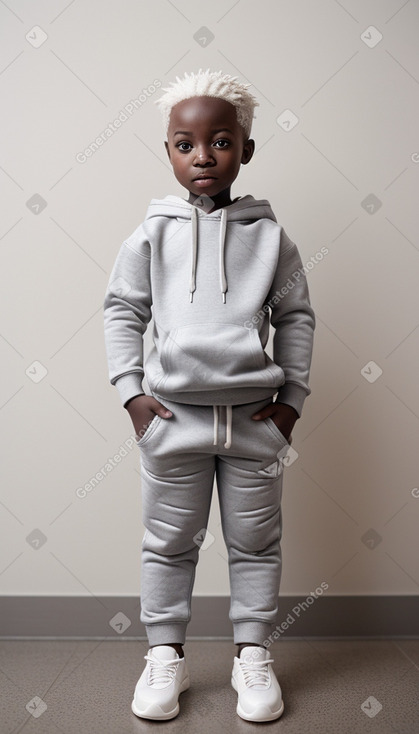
x,y
194,223
223,279
229,424
223,229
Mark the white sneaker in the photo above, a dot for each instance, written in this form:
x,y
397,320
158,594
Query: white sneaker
x,y
259,693
162,680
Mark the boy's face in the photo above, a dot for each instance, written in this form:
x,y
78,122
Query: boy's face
x,y
206,146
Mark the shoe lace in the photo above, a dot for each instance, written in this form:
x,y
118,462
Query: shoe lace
x,y
161,671
256,672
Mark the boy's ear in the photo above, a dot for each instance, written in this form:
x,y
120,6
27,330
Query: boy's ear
x,y
248,150
166,145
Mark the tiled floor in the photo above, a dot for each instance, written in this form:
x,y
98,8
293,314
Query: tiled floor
x,y
329,686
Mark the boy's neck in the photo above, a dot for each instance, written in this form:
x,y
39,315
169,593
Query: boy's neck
x,y
219,200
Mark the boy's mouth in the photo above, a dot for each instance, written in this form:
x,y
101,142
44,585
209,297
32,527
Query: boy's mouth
x,y
204,180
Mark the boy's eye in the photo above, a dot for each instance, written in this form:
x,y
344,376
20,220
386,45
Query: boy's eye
x,y
181,147
185,147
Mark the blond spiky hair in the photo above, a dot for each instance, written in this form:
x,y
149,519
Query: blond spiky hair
x,y
210,84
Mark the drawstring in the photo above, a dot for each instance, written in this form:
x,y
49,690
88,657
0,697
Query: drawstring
x,y
229,425
215,441
194,223
223,277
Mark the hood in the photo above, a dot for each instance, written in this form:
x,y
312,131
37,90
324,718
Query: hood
x,y
243,209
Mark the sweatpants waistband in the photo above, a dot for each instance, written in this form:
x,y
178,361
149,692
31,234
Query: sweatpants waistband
x,y
219,411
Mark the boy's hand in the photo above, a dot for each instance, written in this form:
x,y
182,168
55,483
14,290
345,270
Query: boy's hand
x,y
142,410
284,416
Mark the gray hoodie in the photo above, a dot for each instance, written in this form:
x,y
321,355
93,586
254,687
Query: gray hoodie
x,y
212,283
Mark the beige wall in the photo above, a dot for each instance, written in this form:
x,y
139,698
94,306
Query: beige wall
x,y
357,110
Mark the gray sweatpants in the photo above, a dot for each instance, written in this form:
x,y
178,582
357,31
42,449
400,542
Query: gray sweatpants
x,y
179,457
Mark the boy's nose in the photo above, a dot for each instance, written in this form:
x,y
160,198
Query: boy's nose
x,y
203,156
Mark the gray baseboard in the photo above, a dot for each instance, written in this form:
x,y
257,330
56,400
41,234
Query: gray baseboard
x,y
113,617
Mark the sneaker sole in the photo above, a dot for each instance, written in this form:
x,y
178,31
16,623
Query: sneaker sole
x,y
154,711
268,716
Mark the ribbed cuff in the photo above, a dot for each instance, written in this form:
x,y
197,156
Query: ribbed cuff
x,y
255,631
292,394
162,634
129,386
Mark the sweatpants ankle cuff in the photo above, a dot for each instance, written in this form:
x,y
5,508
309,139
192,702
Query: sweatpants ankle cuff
x,y
163,634
257,632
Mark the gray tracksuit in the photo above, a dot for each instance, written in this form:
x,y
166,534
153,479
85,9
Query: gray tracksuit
x,y
212,282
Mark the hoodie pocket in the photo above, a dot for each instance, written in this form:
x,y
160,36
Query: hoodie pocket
x,y
213,355
151,427
274,429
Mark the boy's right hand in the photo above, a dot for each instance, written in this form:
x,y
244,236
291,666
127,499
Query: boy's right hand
x,y
142,410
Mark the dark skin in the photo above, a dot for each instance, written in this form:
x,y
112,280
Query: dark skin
x,y
205,139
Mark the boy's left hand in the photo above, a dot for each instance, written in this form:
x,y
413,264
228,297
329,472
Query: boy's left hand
x,y
284,416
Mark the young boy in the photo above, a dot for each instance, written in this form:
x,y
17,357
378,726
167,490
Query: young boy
x,y
215,273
